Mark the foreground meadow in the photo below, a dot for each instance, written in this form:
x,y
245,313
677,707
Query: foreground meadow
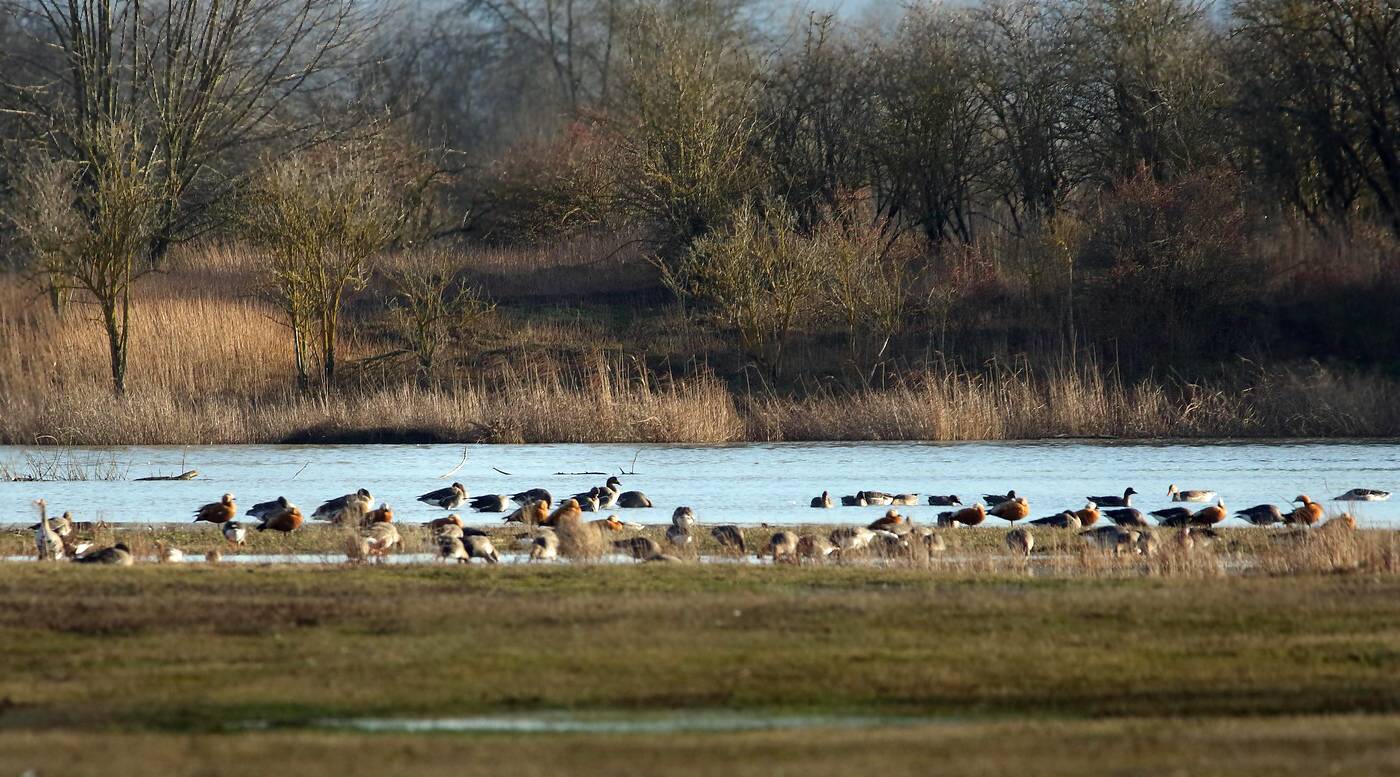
x,y
235,669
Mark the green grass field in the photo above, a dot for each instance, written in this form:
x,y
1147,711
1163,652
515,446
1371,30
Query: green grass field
x,y
236,669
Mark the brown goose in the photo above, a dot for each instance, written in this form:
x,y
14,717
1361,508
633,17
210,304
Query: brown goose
x,y
288,520
968,516
1306,514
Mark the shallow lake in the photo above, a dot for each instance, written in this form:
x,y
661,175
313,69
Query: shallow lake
x,y
747,484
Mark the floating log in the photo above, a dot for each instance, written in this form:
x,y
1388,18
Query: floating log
x,y
182,476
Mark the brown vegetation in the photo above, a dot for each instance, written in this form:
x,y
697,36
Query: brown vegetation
x,y
212,363
695,223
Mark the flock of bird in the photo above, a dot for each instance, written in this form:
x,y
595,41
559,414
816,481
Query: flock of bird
x,y
555,530
1130,527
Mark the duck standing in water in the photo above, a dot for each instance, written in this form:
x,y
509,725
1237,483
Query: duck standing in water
x,y
1126,500
1193,495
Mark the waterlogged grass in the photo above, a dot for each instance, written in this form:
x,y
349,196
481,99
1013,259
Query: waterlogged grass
x,y
982,668
1268,747
200,648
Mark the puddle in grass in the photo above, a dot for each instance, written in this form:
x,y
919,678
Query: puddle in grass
x,y
660,724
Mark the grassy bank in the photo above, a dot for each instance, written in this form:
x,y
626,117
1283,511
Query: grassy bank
x,y
168,667
610,361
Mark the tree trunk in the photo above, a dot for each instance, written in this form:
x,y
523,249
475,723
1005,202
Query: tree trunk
x,y
117,328
329,320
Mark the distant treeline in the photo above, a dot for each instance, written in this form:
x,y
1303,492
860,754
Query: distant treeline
x,y
1165,185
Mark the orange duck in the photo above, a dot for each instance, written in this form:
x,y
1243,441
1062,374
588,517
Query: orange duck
x,y
217,512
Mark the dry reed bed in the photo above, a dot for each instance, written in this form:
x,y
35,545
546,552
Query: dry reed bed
x,y
211,363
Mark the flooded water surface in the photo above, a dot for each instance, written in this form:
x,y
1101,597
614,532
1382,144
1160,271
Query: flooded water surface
x,y
748,484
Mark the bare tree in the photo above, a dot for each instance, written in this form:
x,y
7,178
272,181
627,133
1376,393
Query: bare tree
x,y
1154,86
162,103
1026,76
759,278
815,109
868,272
321,215
1319,101
202,83
686,126
432,306
930,145
90,225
